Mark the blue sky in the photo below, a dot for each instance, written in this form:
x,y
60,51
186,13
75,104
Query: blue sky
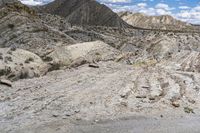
x,y
185,10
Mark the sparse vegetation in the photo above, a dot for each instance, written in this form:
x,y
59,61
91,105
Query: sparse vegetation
x,y
11,26
188,110
8,58
145,63
29,60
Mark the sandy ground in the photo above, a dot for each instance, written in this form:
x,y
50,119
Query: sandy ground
x,y
90,100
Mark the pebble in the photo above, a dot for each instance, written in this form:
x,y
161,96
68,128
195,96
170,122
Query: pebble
x,y
176,104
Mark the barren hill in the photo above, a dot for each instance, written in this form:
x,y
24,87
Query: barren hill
x,y
165,22
85,12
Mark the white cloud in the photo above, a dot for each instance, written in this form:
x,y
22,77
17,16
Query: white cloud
x,y
35,2
116,1
31,2
184,7
187,14
142,5
163,7
191,15
159,9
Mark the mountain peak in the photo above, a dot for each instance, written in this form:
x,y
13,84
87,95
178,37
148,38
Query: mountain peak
x,y
85,12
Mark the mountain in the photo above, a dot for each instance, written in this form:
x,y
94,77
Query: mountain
x,y
84,12
22,27
165,22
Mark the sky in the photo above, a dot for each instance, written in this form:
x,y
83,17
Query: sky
x,y
185,10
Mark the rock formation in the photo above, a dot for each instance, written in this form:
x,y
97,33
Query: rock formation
x,y
165,22
79,54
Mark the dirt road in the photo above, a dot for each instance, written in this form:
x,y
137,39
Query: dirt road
x,y
143,125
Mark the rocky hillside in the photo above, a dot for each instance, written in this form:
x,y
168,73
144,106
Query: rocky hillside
x,y
84,12
164,22
21,28
4,2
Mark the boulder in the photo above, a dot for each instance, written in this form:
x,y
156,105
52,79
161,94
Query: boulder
x,y
20,64
82,53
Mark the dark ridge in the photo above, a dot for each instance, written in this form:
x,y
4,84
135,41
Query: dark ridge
x,y
84,12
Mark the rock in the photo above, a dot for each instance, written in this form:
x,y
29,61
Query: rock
x,y
55,115
140,96
192,101
71,112
125,93
96,120
152,98
93,65
125,104
175,104
13,48
164,85
81,53
77,110
78,119
146,87
6,82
